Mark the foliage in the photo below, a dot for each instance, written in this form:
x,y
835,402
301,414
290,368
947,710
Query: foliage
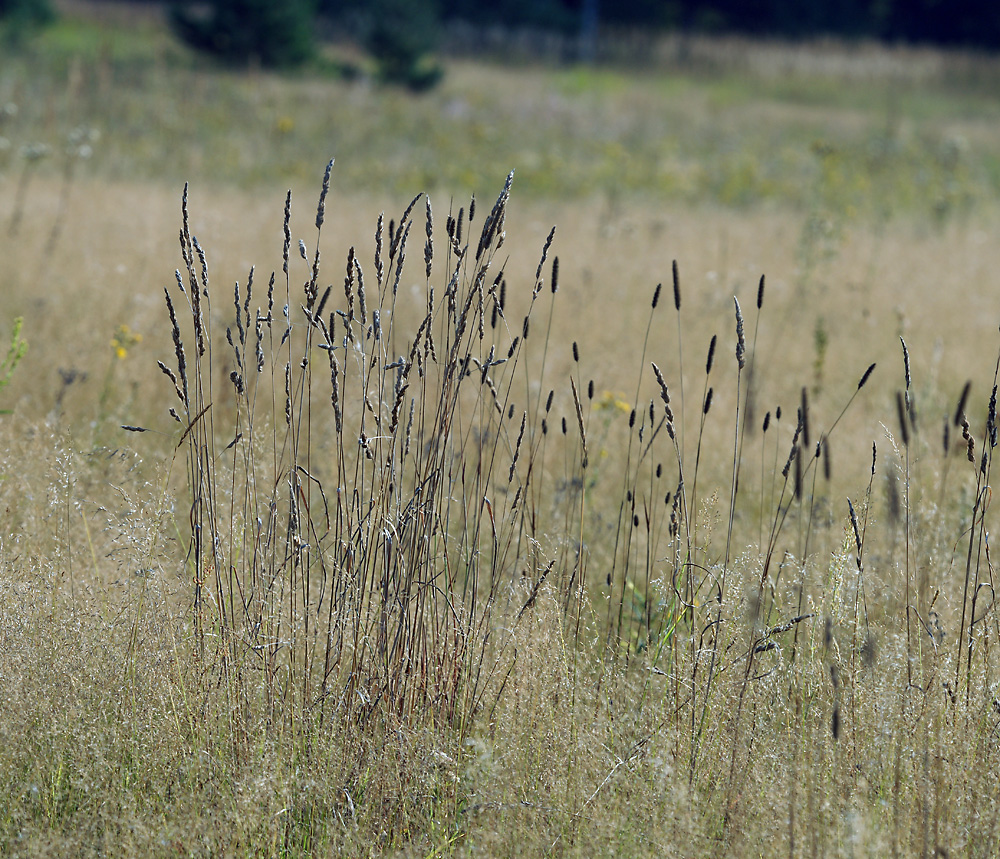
x,y
15,352
276,35
548,14
28,11
400,35
964,22
23,16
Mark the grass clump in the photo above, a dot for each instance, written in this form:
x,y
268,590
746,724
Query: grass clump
x,y
355,599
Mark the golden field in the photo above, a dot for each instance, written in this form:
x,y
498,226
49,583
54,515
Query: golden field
x,y
451,615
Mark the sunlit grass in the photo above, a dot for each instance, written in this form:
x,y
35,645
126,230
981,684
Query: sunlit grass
x,y
743,672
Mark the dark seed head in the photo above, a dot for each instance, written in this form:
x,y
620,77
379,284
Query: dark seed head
x,y
906,363
961,403
864,378
804,416
904,424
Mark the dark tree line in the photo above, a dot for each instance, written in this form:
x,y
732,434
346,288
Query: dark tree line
x,y
21,14
973,23
408,26
400,34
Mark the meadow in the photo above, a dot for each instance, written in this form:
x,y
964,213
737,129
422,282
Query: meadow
x,y
638,507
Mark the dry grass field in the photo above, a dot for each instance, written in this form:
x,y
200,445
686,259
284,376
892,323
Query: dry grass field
x,y
449,551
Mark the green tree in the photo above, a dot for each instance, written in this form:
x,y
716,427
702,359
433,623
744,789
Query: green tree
x,y
28,11
274,34
20,17
400,35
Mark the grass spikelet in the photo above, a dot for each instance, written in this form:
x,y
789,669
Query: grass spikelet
x,y
175,331
741,343
904,424
429,244
379,264
962,400
906,362
541,261
970,440
321,206
579,421
854,525
804,416
517,447
335,392
349,285
664,393
362,305
991,419
401,239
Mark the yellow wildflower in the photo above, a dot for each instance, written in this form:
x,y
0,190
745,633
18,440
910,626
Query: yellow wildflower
x,y
610,401
124,339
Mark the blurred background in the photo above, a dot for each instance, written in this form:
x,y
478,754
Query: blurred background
x,y
848,150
